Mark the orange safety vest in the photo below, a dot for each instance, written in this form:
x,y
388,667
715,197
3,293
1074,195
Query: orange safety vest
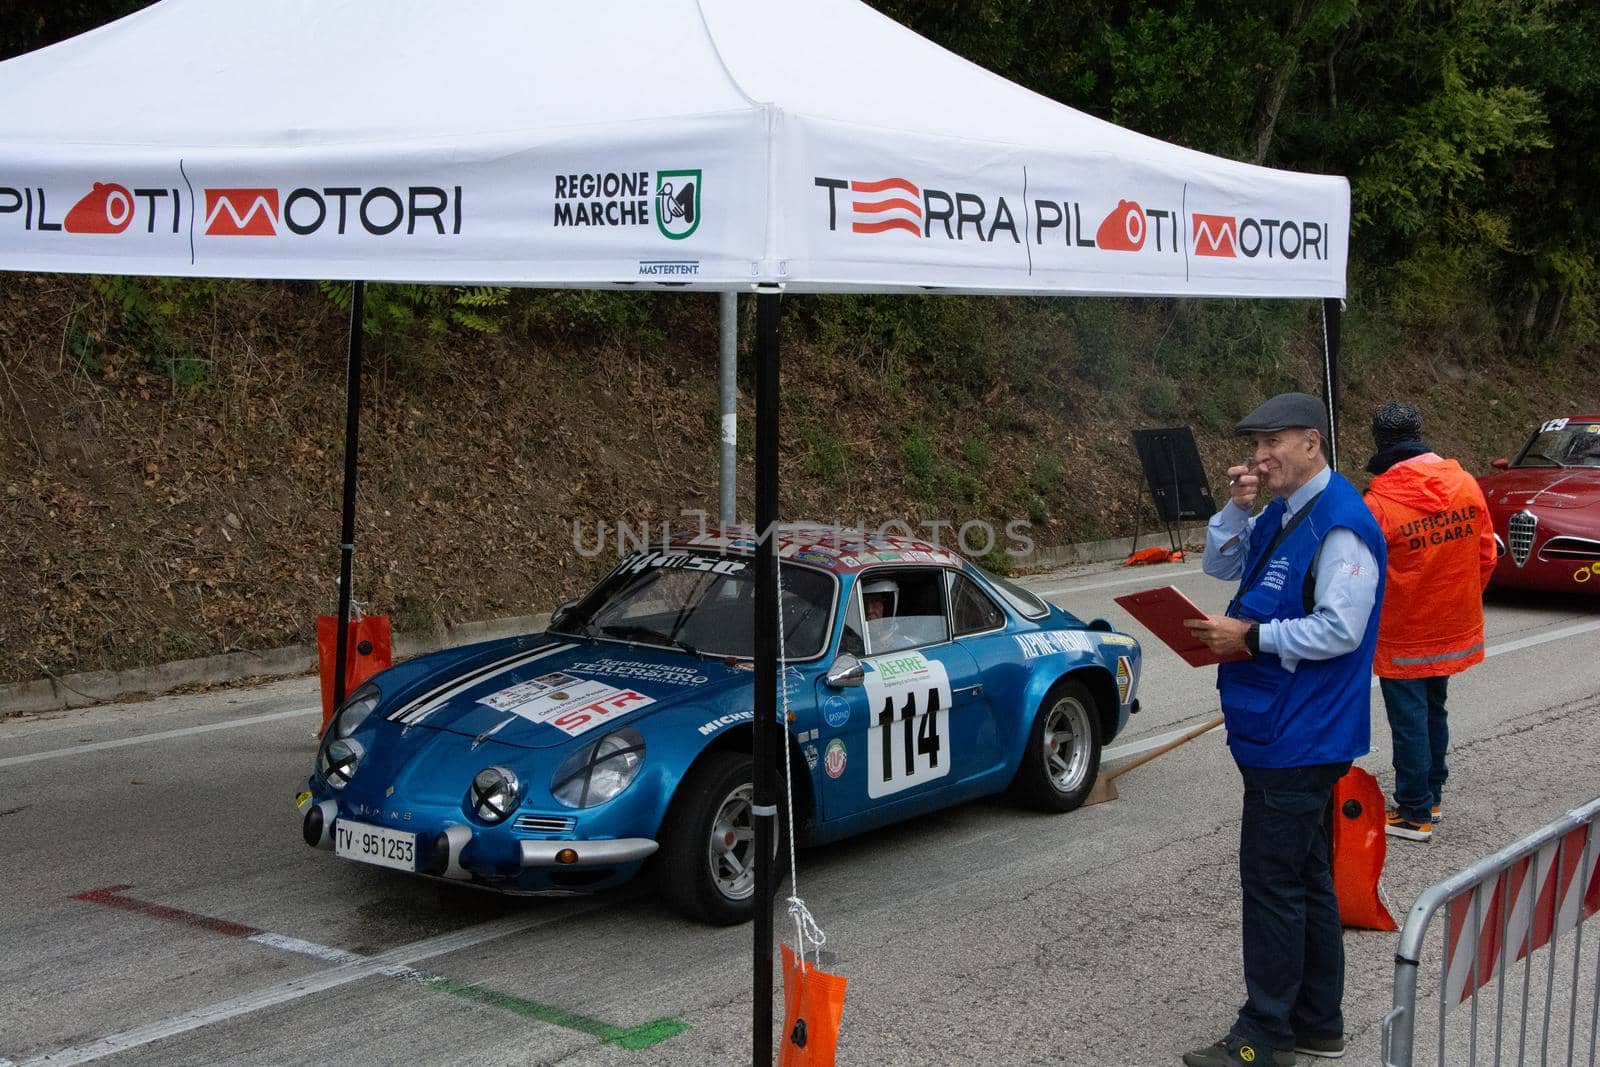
x,y
1441,553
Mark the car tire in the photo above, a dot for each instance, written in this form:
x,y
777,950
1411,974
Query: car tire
x,y
1062,757
704,868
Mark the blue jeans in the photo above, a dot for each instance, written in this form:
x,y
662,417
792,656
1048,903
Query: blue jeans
x,y
1293,940
1421,735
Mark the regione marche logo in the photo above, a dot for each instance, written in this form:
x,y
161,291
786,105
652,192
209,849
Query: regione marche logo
x,y
677,202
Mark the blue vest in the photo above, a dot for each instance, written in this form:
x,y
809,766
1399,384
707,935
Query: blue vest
x,y
1320,712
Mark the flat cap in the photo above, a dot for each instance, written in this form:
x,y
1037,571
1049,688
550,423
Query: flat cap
x,y
1282,412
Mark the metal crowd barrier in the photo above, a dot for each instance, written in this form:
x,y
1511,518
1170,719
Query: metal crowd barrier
x,y
1498,913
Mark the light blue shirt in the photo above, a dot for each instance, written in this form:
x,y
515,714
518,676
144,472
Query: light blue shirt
x,y
1346,581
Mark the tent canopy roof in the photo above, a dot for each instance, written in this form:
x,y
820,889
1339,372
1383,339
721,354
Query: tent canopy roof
x,y
715,143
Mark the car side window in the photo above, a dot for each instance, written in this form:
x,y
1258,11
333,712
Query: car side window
x,y
973,611
852,640
903,609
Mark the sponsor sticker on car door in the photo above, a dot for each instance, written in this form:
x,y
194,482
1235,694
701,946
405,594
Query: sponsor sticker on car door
x,y
908,708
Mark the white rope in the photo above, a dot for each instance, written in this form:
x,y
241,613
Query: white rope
x,y
806,930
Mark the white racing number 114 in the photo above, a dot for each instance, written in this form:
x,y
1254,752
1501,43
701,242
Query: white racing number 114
x,y
908,711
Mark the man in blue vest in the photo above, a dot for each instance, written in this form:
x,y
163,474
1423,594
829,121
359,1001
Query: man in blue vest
x,y
1310,568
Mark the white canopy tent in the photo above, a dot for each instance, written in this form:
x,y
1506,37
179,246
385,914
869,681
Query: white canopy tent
x,y
712,143
799,145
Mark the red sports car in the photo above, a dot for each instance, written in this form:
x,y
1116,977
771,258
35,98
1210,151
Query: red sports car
x,y
1545,504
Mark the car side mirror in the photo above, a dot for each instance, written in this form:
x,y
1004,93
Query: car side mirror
x,y
1500,464
845,672
560,612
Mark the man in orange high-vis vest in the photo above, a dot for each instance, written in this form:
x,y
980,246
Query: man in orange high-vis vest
x,y
1436,526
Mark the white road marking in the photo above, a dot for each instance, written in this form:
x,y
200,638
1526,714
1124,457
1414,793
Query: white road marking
x,y
392,963
1151,577
1145,744
1539,639
307,948
187,731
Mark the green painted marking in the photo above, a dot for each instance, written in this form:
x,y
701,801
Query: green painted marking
x,y
637,1037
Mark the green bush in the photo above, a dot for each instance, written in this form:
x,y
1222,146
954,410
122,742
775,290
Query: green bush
x,y
826,458
921,463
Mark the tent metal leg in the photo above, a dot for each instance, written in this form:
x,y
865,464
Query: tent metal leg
x,y
1330,374
347,526
729,313
766,664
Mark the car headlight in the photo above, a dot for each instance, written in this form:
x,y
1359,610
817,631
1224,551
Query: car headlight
x,y
340,758
599,771
356,709
494,794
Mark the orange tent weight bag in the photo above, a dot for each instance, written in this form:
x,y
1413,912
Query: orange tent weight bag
x,y
368,653
813,1006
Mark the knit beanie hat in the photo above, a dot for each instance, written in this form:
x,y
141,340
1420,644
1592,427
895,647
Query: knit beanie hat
x,y
1394,423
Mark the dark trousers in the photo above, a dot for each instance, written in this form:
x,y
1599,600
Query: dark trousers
x,y
1421,730
1293,941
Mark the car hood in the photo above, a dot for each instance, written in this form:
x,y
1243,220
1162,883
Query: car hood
x,y
548,693
1546,487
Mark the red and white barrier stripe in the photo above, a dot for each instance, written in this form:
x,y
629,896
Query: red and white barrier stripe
x,y
1535,892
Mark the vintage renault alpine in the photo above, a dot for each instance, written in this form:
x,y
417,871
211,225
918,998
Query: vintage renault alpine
x,y
1545,504
565,761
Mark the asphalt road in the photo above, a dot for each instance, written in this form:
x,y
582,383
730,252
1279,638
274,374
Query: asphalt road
x,y
160,907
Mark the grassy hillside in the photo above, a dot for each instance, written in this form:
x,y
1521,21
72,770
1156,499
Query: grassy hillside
x,y
172,452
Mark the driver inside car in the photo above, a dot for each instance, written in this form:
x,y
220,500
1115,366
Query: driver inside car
x,y
880,597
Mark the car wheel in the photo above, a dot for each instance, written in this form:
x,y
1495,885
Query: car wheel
x,y
1062,759
706,867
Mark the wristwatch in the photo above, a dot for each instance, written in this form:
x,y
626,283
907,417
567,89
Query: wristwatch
x,y
1252,639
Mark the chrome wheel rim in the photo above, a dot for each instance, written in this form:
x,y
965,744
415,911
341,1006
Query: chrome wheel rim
x,y
731,848
1066,742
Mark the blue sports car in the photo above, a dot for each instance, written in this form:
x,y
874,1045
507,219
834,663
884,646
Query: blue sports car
x,y
567,760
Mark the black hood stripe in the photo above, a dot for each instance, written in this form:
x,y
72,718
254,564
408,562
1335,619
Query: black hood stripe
x,y
416,710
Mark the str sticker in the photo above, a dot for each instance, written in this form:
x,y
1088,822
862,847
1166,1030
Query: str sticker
x,y
908,709
570,704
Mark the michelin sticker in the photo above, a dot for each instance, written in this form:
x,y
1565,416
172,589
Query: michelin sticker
x,y
727,720
908,715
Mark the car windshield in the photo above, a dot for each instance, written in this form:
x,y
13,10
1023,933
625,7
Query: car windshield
x,y
1569,444
700,603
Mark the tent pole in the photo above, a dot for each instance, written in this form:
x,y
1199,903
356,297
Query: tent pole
x,y
1330,373
347,526
766,674
730,409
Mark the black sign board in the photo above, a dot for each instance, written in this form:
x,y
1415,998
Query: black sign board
x,y
1173,471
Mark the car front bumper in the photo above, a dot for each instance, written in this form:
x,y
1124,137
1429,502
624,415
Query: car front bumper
x,y
493,857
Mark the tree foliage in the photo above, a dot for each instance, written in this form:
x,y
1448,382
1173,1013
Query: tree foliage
x,y
1469,129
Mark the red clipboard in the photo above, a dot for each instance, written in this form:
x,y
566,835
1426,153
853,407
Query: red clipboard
x,y
1163,611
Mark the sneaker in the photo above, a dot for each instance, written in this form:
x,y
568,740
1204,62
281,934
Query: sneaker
x,y
1326,1048
1235,1051
1411,831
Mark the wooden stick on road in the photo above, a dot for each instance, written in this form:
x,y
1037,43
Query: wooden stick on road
x,y
1204,727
